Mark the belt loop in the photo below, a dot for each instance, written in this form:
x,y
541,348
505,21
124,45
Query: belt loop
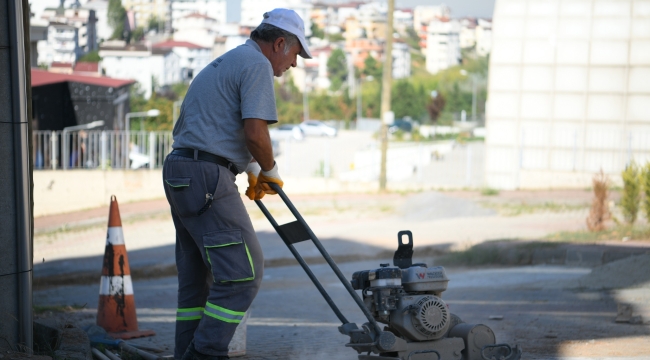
x,y
196,155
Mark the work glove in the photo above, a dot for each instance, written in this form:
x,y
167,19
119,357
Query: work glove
x,y
253,170
265,177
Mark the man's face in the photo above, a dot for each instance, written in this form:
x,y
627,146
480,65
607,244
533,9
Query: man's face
x,y
280,61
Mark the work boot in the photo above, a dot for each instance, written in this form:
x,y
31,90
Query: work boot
x,y
192,354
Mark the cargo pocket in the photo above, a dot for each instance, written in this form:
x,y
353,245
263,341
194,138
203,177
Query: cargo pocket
x,y
187,196
228,256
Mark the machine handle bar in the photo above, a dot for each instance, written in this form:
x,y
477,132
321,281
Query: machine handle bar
x,y
323,252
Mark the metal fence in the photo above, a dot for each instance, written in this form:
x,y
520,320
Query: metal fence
x,y
96,149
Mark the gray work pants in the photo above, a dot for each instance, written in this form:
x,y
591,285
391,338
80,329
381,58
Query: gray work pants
x,y
219,260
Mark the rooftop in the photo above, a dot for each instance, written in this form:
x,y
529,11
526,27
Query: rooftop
x,y
42,77
172,44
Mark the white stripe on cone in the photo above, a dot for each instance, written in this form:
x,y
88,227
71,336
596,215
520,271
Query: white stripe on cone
x,y
115,236
113,285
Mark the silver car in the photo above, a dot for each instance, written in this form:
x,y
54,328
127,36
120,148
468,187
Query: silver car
x,y
317,128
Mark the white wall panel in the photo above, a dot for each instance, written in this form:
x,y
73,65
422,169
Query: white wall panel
x,y
639,80
535,106
572,52
535,134
500,159
617,28
509,8
604,137
577,8
504,77
640,52
638,107
566,136
538,78
540,8
612,8
607,79
606,161
605,107
502,132
506,52
570,78
563,160
641,8
508,28
640,28
640,139
534,159
503,105
539,52
573,29
569,107
609,53
540,28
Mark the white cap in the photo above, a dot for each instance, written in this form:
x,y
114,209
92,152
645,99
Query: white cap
x,y
290,21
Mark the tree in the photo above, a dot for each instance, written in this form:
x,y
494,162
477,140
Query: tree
x,y
116,19
155,24
92,56
372,68
407,100
316,31
435,107
137,34
337,68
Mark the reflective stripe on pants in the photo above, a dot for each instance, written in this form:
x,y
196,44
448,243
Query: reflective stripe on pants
x,y
223,314
189,314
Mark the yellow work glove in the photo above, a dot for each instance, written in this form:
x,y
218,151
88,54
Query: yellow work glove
x,y
253,170
265,177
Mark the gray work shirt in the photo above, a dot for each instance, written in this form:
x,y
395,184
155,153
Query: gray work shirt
x,y
237,85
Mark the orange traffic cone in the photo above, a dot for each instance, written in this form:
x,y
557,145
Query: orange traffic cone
x,y
116,310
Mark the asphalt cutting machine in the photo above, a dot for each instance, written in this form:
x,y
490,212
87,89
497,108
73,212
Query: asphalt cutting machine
x,y
405,297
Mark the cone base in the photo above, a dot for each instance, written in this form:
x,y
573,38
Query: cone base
x,y
132,334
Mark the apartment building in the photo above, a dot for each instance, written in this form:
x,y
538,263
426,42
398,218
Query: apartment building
x,y
443,45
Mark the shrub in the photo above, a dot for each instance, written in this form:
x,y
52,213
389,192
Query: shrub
x,y
631,197
599,212
645,184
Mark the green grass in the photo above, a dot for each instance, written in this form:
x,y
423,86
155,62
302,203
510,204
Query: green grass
x,y
637,232
515,209
489,192
38,309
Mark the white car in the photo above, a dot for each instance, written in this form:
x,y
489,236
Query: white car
x,y
286,132
317,128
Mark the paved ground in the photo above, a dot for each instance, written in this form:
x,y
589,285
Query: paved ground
x,y
289,319
549,318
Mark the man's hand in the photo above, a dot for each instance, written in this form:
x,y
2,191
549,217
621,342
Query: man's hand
x,y
253,171
265,177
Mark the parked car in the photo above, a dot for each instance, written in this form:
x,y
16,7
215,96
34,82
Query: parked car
x,y
317,128
287,132
400,124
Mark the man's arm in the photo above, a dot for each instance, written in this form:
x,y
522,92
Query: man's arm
x,y
258,142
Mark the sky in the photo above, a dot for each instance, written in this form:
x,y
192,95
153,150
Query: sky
x,y
459,8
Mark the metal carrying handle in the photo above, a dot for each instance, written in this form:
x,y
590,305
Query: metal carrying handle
x,y
323,252
424,352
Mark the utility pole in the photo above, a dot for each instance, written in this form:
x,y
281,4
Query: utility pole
x,y
385,93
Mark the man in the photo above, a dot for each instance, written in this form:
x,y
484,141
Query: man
x,y
221,128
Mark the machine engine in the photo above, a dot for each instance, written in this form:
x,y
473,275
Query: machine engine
x,y
407,298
